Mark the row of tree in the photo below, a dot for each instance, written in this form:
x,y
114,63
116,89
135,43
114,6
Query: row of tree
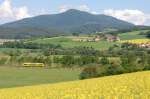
x,y
129,63
25,45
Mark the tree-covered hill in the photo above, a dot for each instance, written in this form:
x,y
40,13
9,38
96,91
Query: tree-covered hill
x,y
71,21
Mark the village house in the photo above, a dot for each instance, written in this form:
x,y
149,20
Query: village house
x,y
97,38
86,40
91,39
2,41
144,45
111,38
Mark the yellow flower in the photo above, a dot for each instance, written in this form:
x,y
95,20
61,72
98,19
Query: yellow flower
x,y
127,86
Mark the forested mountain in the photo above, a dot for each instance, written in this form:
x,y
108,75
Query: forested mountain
x,y
58,24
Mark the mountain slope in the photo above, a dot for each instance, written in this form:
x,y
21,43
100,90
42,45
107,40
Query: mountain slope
x,y
67,22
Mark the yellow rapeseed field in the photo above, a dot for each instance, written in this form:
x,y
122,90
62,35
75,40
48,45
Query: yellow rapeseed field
x,y
136,41
127,86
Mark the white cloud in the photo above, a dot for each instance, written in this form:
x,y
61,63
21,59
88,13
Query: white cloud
x,y
6,9
134,16
94,12
21,13
9,12
64,8
84,8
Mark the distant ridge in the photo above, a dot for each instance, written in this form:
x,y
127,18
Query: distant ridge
x,y
58,24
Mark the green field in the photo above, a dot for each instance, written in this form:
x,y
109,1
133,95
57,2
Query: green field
x,y
68,43
13,77
101,45
132,35
126,86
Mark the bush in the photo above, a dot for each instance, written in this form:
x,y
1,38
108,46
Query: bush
x,y
89,72
148,34
147,67
95,70
104,61
67,60
114,70
3,61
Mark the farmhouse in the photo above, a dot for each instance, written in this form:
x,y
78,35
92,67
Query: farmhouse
x,y
90,39
2,41
111,38
141,45
83,39
144,45
97,38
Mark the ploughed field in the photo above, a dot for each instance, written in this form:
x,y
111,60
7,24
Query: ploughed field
x,y
126,86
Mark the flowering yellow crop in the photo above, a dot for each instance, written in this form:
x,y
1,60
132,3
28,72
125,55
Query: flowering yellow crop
x,y
136,41
128,86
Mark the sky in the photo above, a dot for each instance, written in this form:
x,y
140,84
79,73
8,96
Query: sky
x,y
134,11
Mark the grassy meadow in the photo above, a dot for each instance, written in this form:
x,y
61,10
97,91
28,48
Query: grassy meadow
x,y
69,43
17,82
14,76
132,35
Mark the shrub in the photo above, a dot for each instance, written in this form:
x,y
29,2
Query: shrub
x,y
148,34
67,60
89,72
113,70
104,61
3,61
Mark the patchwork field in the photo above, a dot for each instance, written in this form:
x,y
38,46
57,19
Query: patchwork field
x,y
13,77
69,43
132,35
136,41
127,86
40,83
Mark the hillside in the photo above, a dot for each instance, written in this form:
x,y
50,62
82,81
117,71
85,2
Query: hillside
x,y
68,42
71,21
127,86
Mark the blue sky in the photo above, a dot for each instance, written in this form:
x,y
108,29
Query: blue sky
x,y
135,11
96,5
